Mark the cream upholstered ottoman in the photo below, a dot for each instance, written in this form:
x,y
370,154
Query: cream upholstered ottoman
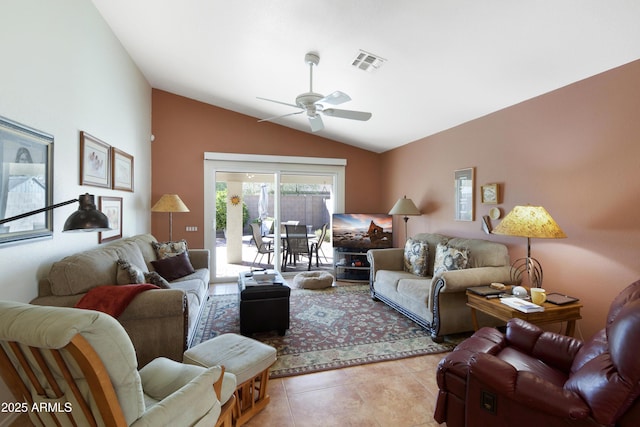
x,y
313,280
248,359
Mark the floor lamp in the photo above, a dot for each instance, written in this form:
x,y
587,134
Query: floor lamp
x,y
86,218
170,203
529,222
404,207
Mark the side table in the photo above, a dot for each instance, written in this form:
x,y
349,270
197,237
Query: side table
x,y
552,313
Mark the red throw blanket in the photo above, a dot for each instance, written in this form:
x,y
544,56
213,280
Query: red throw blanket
x,y
112,299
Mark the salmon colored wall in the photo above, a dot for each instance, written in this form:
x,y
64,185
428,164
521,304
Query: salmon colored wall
x,y
575,151
185,129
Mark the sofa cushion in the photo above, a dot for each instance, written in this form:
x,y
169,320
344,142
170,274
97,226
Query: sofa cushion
x,y
174,267
130,252
76,274
432,240
449,258
387,280
155,279
482,253
144,243
128,273
416,255
169,249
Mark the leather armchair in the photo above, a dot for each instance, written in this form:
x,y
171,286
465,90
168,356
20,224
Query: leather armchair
x,y
529,377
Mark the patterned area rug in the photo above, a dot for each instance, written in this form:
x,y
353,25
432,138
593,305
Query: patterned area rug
x,y
329,329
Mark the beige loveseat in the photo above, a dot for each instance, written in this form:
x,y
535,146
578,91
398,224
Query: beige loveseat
x,y
438,302
160,322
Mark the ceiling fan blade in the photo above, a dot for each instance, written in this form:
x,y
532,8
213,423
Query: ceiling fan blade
x,y
269,119
347,114
279,102
316,123
335,98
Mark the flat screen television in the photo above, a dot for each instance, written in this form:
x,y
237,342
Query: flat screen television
x,y
362,231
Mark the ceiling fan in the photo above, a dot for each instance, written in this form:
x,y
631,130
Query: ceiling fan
x,y
315,104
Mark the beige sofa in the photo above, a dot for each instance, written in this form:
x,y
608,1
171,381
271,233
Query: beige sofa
x,y
438,303
160,322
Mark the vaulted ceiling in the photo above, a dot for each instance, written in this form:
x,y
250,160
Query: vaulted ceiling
x,y
443,62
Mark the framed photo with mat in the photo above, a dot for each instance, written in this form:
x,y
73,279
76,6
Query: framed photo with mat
x,y
112,208
95,161
26,181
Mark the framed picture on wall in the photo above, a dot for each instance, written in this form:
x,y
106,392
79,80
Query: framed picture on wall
x,y
463,182
26,181
490,194
122,170
95,161
112,208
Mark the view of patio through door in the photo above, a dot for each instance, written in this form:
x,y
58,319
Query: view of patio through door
x,y
248,203
251,210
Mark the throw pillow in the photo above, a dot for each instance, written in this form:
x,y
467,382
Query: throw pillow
x,y
174,267
169,249
415,257
128,273
448,259
155,279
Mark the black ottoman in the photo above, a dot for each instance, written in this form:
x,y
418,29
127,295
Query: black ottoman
x,y
264,308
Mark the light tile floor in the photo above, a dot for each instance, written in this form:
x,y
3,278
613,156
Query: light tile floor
x,y
399,393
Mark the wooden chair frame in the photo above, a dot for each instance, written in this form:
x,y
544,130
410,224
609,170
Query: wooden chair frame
x,y
251,397
89,363
94,371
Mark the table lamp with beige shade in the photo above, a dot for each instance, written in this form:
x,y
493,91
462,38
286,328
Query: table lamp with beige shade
x,y
530,222
170,203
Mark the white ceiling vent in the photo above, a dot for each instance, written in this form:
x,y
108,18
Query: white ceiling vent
x,y
367,61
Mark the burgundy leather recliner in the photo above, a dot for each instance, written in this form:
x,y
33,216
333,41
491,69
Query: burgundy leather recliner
x,y
529,377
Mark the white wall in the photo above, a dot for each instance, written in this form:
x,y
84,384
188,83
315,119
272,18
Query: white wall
x,y
63,71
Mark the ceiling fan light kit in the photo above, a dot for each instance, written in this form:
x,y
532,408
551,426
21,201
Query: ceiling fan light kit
x,y
314,103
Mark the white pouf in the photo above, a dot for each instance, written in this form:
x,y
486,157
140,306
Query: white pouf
x,y
313,280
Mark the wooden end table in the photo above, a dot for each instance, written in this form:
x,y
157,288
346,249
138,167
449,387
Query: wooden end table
x,y
552,313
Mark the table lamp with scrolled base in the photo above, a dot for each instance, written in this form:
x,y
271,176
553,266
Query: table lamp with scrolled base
x,y
530,222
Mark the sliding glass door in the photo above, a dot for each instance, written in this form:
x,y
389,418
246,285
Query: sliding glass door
x,y
245,196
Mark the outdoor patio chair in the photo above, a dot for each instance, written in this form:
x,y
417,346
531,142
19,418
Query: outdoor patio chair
x,y
285,223
297,244
318,243
263,245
